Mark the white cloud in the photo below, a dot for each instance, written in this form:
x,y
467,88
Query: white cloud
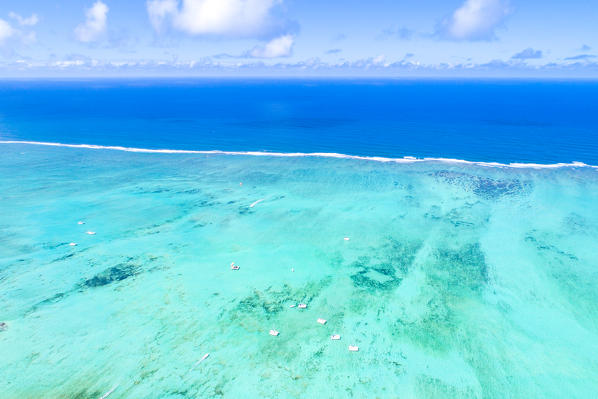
x,y
280,47
476,19
159,10
6,30
95,23
30,21
239,18
68,63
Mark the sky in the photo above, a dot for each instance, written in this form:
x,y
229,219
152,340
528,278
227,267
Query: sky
x,y
399,38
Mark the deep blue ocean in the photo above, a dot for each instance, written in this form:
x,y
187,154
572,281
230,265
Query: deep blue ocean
x,y
502,121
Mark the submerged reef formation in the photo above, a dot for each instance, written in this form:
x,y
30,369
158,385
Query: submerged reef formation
x,y
452,280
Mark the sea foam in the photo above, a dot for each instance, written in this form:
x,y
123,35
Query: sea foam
x,y
405,159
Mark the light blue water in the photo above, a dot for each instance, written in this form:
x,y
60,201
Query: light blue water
x,y
458,281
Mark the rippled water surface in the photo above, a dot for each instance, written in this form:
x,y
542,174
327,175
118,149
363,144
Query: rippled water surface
x,y
457,281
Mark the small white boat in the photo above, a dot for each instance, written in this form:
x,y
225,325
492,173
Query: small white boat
x,y
274,333
347,238
73,244
80,222
322,321
353,348
335,337
302,306
91,233
202,359
291,306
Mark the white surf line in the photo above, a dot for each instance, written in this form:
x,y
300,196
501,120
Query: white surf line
x,y
256,202
104,396
406,159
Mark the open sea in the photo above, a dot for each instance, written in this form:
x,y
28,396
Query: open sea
x,y
448,229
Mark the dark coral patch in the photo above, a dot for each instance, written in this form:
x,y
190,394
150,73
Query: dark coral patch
x,y
387,271
245,210
456,270
119,272
84,394
65,257
543,246
455,276
494,189
483,187
365,279
269,303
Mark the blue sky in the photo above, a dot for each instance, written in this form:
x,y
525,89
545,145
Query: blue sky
x,y
299,37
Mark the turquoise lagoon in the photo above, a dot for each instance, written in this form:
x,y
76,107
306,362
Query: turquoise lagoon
x,y
458,281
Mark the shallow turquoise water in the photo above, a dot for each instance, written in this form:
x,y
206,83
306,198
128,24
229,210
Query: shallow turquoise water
x,y
458,281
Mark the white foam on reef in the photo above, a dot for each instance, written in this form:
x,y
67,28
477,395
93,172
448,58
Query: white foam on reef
x,y
406,159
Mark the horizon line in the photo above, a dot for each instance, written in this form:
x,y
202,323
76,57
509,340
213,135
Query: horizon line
x,y
305,77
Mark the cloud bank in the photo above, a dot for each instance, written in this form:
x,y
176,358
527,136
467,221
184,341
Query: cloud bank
x,y
95,23
367,67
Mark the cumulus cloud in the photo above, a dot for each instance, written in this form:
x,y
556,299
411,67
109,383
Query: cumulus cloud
x,y
475,20
6,30
235,18
528,54
15,34
280,47
95,23
29,21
